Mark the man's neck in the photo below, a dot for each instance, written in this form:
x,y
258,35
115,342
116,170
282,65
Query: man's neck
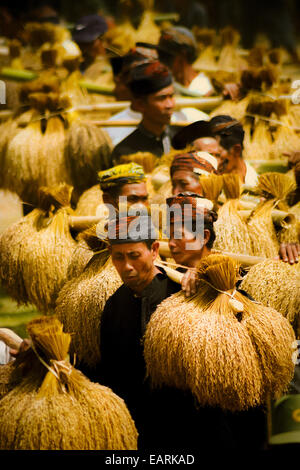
x,y
239,167
153,127
139,289
187,75
199,256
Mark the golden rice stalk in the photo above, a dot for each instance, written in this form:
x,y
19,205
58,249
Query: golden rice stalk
x,y
231,230
7,131
34,159
87,151
275,186
275,284
206,59
88,244
81,302
35,251
227,355
65,410
89,201
6,384
286,139
237,110
260,145
262,231
147,31
212,186
146,159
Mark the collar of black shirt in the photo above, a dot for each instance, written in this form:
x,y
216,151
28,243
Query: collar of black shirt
x,y
166,133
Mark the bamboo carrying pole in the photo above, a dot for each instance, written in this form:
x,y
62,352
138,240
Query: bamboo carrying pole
x,y
244,260
80,223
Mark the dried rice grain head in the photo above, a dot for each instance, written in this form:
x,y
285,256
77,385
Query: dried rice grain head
x,y
229,354
81,302
65,410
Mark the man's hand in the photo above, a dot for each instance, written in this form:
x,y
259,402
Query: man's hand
x,y
232,90
190,282
26,343
293,158
289,252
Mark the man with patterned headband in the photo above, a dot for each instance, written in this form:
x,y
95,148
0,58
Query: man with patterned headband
x,y
151,86
186,169
126,180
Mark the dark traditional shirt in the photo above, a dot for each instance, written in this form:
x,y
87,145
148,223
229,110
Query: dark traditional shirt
x,y
142,140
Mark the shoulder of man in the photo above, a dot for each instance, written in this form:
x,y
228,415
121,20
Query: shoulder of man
x,y
125,147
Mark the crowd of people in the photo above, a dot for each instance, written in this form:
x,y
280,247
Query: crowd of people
x,y
194,146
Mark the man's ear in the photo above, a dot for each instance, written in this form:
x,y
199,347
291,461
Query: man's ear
x,y
138,104
108,199
206,236
236,150
155,249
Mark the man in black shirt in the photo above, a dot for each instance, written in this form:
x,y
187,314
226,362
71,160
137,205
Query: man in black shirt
x,y
165,418
151,86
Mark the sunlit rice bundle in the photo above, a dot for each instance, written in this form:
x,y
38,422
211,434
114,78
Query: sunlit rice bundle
x,y
81,302
276,187
275,284
285,139
34,159
260,146
229,351
87,151
262,231
231,230
36,250
146,159
90,201
235,109
88,244
212,186
55,407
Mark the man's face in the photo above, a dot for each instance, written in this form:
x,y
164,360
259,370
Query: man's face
x,y
178,246
135,193
158,106
134,263
184,180
212,146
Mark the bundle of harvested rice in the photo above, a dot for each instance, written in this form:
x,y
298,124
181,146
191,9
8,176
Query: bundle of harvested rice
x,y
34,159
146,159
231,230
211,187
275,284
262,231
275,188
229,59
227,350
89,201
160,196
260,145
235,109
286,138
35,251
81,302
147,31
65,410
88,244
207,57
87,151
